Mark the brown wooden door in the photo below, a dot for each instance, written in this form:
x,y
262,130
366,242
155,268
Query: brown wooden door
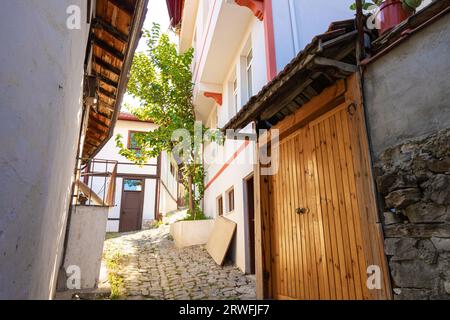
x,y
132,203
251,222
321,238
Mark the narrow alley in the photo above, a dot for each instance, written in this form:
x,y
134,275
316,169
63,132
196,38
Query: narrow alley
x,y
150,266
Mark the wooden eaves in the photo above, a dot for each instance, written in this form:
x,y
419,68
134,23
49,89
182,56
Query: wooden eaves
x,y
328,58
114,36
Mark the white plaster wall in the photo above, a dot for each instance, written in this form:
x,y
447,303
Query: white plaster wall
x,y
168,186
242,166
41,63
253,36
149,201
296,22
111,152
85,242
232,177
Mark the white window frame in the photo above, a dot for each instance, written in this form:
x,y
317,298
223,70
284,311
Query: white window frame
x,y
249,73
235,95
227,199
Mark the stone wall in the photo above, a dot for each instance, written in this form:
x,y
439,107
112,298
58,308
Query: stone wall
x,y
413,179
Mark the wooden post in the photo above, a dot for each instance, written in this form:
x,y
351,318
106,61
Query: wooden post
x,y
262,229
259,266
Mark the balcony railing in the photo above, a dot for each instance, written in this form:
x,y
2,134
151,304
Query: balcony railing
x,y
96,183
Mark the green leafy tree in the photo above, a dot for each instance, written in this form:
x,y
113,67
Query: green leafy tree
x,y
161,80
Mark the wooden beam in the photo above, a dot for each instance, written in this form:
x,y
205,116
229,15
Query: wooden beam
x,y
107,93
106,80
293,93
107,106
263,254
107,66
312,109
123,6
90,143
98,122
100,24
346,67
108,48
88,192
102,118
96,130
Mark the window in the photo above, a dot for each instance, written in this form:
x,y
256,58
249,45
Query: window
x,y
132,185
220,206
172,169
249,74
132,141
235,95
230,196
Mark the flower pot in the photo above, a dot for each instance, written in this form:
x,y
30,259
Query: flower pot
x,y
392,12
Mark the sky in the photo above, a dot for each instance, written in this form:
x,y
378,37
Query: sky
x,y
157,12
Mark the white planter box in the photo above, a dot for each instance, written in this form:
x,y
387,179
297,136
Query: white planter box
x,y
191,233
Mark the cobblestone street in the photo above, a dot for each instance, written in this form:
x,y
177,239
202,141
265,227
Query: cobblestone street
x,y
153,268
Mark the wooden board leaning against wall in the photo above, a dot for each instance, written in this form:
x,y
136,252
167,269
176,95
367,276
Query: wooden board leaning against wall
x,y
317,228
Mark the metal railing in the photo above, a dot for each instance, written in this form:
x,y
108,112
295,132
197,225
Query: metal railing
x,y
96,183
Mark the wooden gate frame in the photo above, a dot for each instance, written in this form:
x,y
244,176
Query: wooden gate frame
x,y
344,91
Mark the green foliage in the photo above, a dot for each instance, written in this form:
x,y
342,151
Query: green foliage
x,y
161,80
412,4
113,261
157,224
408,4
366,5
197,214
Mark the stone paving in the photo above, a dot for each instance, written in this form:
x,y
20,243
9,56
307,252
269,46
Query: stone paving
x,y
153,268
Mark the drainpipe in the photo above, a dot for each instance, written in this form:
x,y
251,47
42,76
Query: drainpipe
x,y
360,28
361,57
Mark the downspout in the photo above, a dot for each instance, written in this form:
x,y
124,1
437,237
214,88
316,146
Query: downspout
x,y
361,57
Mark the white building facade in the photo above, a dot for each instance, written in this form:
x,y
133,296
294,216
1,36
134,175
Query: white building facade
x,y
240,45
136,191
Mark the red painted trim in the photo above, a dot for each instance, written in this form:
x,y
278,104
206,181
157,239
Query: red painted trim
x,y
227,164
271,60
216,96
256,6
129,117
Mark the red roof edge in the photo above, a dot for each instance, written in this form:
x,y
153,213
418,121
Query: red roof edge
x,y
175,8
129,117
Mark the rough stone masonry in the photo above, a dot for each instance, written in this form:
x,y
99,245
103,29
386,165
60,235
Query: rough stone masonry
x,y
413,179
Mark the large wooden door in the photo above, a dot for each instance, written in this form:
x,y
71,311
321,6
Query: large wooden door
x,y
322,239
132,203
250,201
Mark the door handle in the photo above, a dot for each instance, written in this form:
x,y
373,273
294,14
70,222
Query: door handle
x,y
301,210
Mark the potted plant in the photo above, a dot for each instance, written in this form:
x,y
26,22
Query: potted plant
x,y
391,12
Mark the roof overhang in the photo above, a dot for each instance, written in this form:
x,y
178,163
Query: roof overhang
x,y
114,36
175,8
130,117
188,19
328,58
224,32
